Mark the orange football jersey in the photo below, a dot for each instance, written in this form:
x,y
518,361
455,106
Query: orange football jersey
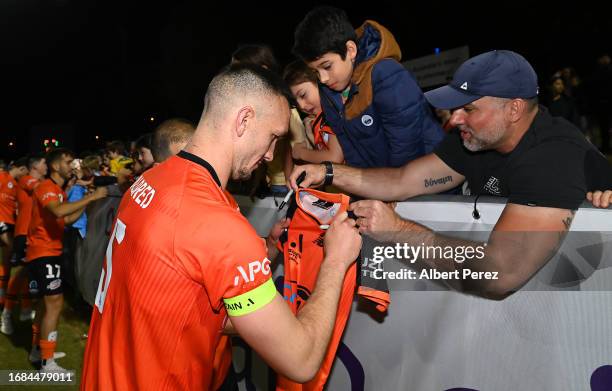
x,y
27,183
46,231
8,198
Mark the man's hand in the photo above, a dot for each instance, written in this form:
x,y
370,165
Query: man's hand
x,y
315,175
277,229
99,193
274,235
376,218
600,199
342,241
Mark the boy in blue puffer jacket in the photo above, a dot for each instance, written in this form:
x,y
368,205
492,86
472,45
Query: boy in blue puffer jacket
x,y
372,103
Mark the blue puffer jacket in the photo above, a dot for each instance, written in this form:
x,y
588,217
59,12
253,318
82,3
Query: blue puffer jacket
x,y
386,121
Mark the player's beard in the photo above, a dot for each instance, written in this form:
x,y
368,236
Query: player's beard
x,y
243,174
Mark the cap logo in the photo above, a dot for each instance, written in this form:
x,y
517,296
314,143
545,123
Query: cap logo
x,y
464,86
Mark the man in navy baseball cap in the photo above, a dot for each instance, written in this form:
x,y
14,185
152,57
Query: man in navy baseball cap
x,y
498,73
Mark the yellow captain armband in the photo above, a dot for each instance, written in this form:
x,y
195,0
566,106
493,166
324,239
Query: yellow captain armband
x,y
252,300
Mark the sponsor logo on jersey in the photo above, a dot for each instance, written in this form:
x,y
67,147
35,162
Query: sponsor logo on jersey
x,y
295,293
252,269
50,194
54,284
323,204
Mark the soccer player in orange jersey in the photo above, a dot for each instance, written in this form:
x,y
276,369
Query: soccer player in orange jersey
x,y
43,255
182,260
8,212
18,281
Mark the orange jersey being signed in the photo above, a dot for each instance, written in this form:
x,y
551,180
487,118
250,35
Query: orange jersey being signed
x,y
303,253
181,258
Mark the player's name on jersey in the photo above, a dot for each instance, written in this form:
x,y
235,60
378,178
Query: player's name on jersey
x,y
142,192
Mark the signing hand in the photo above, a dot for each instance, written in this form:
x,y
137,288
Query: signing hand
x,y
376,218
315,175
342,241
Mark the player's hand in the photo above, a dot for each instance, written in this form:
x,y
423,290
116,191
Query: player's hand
x,y
342,241
315,175
277,231
600,199
376,218
99,193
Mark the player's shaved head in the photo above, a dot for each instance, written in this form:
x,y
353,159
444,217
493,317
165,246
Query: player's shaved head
x,y
239,85
246,110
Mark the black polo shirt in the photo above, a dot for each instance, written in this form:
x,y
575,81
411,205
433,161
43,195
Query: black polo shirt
x,y
553,165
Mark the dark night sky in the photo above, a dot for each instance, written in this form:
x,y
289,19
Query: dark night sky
x,y
102,68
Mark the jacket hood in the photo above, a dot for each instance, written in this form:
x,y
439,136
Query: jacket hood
x,y
375,43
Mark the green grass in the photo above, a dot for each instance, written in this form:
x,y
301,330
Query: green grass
x,y
74,323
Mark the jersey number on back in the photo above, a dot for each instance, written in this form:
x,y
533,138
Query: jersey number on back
x,y
119,234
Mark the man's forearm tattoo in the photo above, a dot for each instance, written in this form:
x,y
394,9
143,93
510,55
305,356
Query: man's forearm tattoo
x,y
568,220
440,181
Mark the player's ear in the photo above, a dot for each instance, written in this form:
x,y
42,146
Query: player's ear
x,y
245,116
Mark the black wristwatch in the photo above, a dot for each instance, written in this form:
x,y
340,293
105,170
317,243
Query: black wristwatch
x,y
329,173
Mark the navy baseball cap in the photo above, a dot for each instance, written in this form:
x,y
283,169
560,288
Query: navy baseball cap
x,y
499,73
